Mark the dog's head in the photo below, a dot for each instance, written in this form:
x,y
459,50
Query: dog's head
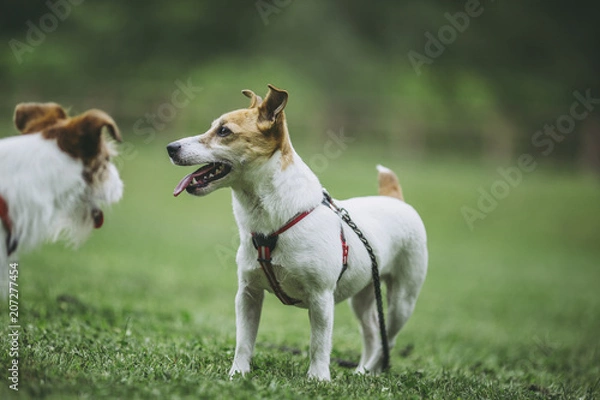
x,y
237,142
81,138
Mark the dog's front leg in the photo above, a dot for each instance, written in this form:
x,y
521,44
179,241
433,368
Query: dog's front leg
x,y
248,306
320,312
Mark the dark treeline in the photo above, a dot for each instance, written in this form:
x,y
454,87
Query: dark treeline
x,y
490,78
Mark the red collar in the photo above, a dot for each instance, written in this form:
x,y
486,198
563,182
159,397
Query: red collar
x,y
11,245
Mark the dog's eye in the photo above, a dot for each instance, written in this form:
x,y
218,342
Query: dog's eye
x,y
223,131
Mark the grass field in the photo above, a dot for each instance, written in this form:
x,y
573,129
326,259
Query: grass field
x,y
145,308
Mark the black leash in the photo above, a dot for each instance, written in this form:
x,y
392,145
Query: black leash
x,y
345,216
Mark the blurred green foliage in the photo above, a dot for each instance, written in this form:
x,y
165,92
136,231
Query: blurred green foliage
x,y
502,75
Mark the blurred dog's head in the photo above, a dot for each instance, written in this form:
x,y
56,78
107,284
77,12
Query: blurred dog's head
x,y
79,139
238,143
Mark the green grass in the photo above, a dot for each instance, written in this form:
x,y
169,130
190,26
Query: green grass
x,y
145,308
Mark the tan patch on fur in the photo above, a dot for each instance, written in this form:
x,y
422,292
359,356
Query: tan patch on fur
x,y
251,138
80,136
389,185
287,156
257,132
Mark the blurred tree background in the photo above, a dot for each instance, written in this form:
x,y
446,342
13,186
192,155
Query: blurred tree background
x,y
489,81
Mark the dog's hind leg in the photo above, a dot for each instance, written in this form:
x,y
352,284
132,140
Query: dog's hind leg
x,y
363,305
403,288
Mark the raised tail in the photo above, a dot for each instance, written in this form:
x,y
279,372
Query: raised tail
x,y
388,183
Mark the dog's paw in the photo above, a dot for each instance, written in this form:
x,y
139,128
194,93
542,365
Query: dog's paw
x,y
360,370
319,375
234,374
236,371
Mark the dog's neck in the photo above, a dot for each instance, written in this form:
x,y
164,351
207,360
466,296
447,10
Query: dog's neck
x,y
268,196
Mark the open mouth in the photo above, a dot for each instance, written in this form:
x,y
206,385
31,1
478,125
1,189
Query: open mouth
x,y
202,177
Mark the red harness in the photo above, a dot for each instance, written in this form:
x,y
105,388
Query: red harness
x,y
11,245
265,244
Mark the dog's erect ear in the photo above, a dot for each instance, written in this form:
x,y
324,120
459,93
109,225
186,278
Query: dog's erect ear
x,y
34,117
255,100
92,122
273,104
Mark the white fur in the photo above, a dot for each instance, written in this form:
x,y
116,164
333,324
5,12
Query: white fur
x,y
46,193
383,169
308,257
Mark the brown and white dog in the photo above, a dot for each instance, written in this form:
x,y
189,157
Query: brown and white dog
x,y
54,178
250,151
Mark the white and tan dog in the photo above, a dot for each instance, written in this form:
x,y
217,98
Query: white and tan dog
x,y
249,150
54,178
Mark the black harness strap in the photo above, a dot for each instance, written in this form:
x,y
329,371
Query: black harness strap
x,y
265,244
328,202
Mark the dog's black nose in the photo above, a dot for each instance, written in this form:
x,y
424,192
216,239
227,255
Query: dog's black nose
x,y
173,148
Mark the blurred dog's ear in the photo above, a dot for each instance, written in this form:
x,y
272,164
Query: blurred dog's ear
x,y
81,136
273,104
255,100
92,121
34,117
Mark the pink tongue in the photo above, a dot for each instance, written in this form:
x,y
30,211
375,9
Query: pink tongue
x,y
185,182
